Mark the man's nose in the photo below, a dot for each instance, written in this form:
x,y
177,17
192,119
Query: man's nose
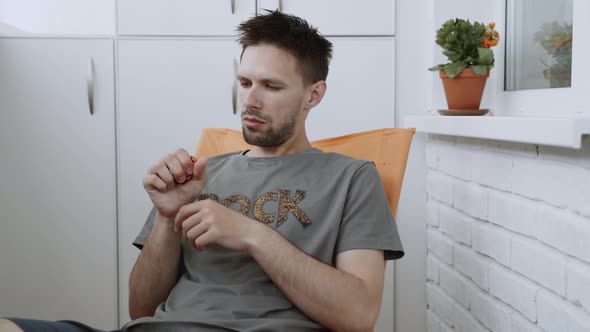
x,y
250,98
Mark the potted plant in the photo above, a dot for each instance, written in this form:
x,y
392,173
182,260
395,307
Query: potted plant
x,y
468,48
557,39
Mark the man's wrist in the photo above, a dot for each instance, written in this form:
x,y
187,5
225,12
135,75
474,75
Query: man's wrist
x,y
260,235
164,228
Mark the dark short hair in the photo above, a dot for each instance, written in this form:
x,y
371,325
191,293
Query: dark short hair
x,y
294,35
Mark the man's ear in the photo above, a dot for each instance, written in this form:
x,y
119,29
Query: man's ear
x,y
317,91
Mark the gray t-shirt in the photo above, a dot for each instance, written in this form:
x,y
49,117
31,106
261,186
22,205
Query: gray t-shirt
x,y
323,203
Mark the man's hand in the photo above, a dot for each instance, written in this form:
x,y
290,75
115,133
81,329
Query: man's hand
x,y
174,181
208,222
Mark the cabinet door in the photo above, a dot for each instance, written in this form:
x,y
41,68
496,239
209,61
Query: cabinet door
x,y
71,17
169,90
340,17
361,88
57,180
182,17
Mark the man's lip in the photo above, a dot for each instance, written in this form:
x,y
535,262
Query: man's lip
x,y
252,119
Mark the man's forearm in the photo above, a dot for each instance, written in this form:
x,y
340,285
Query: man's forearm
x,y
334,298
156,270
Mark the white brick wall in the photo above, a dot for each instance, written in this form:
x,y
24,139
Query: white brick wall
x,y
492,241
578,284
514,290
454,284
488,310
455,224
542,179
455,162
432,208
472,264
557,316
513,212
432,322
471,198
520,324
465,322
440,245
539,263
508,236
490,169
565,231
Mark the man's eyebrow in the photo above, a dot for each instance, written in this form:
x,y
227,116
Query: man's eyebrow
x,y
266,80
274,81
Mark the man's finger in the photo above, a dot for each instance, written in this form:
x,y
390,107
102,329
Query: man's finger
x,y
175,167
199,170
190,222
195,232
154,181
163,173
185,161
203,241
185,212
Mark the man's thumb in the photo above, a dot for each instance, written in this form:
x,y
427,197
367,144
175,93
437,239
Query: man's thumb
x,y
200,169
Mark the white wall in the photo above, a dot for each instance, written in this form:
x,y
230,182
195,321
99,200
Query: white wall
x,y
508,223
508,236
414,55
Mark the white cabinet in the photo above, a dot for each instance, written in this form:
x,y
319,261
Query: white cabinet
x,y
340,17
169,90
57,180
360,94
63,17
182,17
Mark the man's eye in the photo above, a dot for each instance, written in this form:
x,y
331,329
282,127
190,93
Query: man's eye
x,y
244,84
272,87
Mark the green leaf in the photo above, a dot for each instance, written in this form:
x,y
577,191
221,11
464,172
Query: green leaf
x,y
460,41
486,56
480,69
454,69
451,38
436,68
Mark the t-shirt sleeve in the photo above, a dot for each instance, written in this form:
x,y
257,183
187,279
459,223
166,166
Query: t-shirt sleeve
x,y
145,230
367,221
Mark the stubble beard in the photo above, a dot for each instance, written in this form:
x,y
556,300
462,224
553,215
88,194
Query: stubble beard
x,y
271,136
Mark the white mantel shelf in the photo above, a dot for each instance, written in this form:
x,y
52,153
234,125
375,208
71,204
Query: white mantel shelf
x,y
564,132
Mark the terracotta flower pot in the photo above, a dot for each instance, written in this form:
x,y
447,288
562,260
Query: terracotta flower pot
x,y
465,90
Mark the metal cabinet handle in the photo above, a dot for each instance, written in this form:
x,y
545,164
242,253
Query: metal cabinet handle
x,y
90,85
234,89
233,6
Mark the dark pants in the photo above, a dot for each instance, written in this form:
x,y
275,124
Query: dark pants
x,y
33,325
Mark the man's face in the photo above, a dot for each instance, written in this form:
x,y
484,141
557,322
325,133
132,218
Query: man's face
x,y
272,94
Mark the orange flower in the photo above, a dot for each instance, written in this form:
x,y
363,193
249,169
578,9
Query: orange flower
x,y
559,43
490,37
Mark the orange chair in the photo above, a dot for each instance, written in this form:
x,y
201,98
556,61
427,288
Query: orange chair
x,y
388,148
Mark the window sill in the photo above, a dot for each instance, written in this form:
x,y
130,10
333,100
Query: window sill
x,y
563,132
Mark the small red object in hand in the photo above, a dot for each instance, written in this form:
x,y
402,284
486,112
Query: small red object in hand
x,y
189,177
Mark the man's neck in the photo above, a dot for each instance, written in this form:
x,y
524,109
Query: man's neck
x,y
291,146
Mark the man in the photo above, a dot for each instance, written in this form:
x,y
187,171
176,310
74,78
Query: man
x,y
280,237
